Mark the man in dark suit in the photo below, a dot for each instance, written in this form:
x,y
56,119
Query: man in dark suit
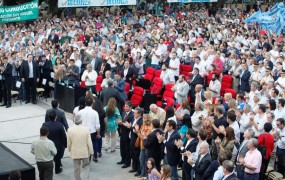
x,y
30,76
58,136
172,153
242,150
120,85
190,145
45,66
53,37
244,79
204,160
6,72
135,152
228,169
96,62
154,149
128,117
103,68
128,73
60,116
195,78
109,92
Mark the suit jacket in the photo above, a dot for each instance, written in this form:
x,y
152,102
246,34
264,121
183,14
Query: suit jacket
x,y
232,176
97,65
154,149
130,75
121,88
201,167
109,92
242,150
56,134
124,130
107,68
60,117
7,73
173,153
210,172
134,136
79,142
192,148
245,81
55,38
45,69
25,70
198,80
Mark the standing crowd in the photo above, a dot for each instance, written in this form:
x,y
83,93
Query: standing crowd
x,y
222,111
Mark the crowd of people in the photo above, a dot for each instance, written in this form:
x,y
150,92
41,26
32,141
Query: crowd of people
x,y
210,134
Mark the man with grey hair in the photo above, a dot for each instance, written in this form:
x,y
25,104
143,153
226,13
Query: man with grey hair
x,y
228,169
244,120
252,161
197,117
89,76
242,150
80,148
157,113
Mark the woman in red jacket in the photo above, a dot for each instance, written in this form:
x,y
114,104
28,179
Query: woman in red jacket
x,y
266,139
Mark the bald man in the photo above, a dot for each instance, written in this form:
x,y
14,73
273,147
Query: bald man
x,y
203,162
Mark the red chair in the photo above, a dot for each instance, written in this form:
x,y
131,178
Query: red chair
x,y
82,84
156,88
127,89
186,69
148,77
232,91
227,81
157,73
99,81
137,96
168,87
150,71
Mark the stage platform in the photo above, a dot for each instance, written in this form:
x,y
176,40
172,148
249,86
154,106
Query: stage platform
x,y
10,161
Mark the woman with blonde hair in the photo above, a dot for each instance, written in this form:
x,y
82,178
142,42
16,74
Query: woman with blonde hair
x,y
182,110
208,97
112,119
165,172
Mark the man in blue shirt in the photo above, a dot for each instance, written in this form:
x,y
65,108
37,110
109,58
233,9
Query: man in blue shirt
x,y
72,74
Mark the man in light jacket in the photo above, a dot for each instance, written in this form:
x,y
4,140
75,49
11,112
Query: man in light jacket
x,y
80,148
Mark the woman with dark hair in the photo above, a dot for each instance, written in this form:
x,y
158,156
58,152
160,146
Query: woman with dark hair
x,y
152,172
271,105
226,146
82,104
267,140
112,118
169,115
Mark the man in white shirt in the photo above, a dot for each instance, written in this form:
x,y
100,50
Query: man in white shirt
x,y
89,76
156,53
215,85
90,120
174,65
162,46
280,110
200,66
259,120
197,117
231,119
166,75
107,78
181,89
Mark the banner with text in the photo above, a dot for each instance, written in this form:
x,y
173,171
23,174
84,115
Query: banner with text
x,y
86,3
190,1
21,12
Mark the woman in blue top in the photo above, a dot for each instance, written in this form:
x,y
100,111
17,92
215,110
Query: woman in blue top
x,y
112,118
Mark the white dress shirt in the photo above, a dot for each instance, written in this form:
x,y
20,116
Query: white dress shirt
x,y
167,77
260,121
90,119
92,77
281,140
174,63
216,86
31,70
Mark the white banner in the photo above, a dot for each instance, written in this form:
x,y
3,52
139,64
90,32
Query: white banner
x,y
190,1
85,3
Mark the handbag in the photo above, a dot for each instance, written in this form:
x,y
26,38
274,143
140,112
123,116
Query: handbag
x,y
138,143
262,149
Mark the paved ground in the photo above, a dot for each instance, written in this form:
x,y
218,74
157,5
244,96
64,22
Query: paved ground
x,y
20,125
